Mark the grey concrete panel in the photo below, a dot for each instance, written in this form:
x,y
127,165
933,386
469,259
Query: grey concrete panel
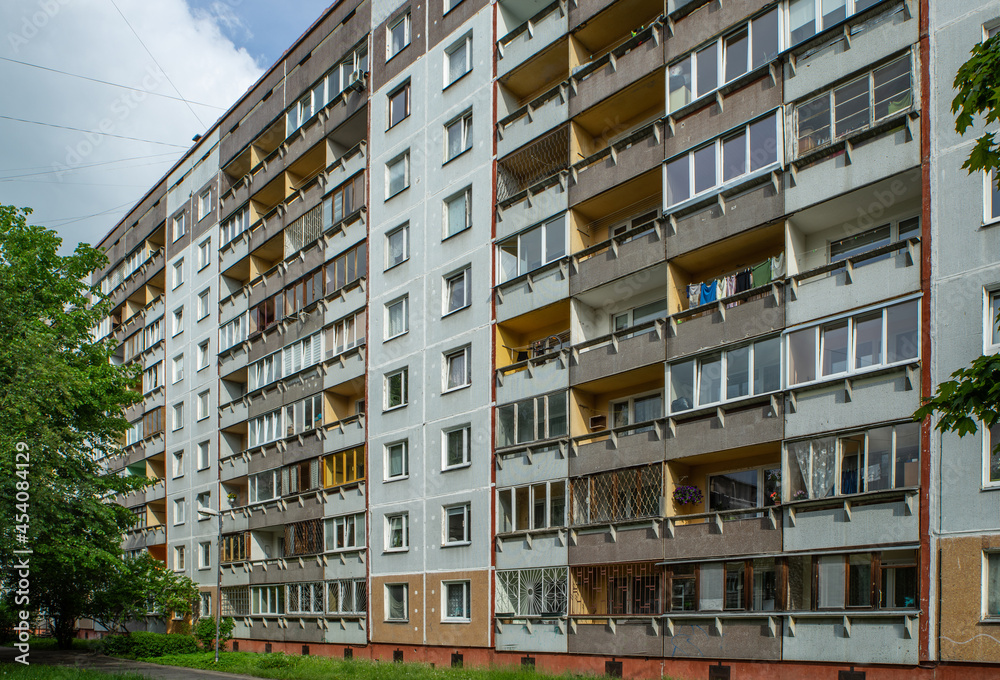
x,y
629,638
540,379
754,536
641,350
549,284
631,543
740,639
542,636
441,24
875,523
538,207
539,118
750,319
540,466
642,155
881,640
524,46
747,426
633,449
761,204
541,549
607,265
347,632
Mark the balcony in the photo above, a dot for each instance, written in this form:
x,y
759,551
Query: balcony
x,y
533,549
740,211
632,59
540,115
537,375
528,38
619,352
855,637
345,367
609,17
623,159
881,518
625,636
234,252
344,434
746,423
722,635
533,353
534,635
722,534
532,205
634,249
628,542
353,161
233,467
526,465
618,447
749,314
536,289
233,413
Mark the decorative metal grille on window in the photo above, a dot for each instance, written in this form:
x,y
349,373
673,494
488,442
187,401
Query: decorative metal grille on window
x,y
618,495
616,590
541,159
347,596
236,601
304,538
305,598
532,592
235,547
303,231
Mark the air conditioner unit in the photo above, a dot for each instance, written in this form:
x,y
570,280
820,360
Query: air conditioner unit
x,y
357,80
598,422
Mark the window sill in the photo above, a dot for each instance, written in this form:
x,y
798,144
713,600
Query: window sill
x,y
459,388
454,621
393,266
457,156
455,311
456,544
397,193
457,80
393,551
464,229
400,478
993,222
398,335
394,408
462,466
452,8
397,620
390,57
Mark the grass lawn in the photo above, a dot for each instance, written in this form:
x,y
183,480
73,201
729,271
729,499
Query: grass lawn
x,y
18,671
290,667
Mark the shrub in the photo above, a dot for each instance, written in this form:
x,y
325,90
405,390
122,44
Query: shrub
x,y
277,660
204,632
146,645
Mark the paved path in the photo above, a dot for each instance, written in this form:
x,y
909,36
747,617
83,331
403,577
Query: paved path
x,y
99,662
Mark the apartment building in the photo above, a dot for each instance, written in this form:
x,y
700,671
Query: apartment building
x,y
579,335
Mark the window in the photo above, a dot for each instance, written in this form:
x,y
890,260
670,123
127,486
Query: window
x,y
204,205
458,212
458,369
745,49
345,533
345,467
457,447
299,113
267,600
395,389
204,253
532,507
178,422
152,377
396,606
458,525
304,230
397,463
397,248
451,4
758,488
991,326
399,104
746,151
397,175
178,273
617,496
532,592
302,354
347,268
134,433
874,460
740,372
638,409
236,547
748,585
396,318
344,201
265,486
235,225
991,455
533,248
458,291
849,581
397,532
305,291
179,505
458,60
204,557
300,477
456,601
177,369
870,340
203,455
153,333
992,196
306,598
178,467
397,36
153,422
203,355
205,604
347,596
203,405
636,316
304,538
991,577
233,333
882,235
532,419
351,69
265,428
346,334
858,105
178,321
178,226
807,18
179,558
265,371
458,136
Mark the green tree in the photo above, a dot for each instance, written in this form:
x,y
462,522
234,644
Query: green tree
x,y
204,632
973,394
61,408
137,587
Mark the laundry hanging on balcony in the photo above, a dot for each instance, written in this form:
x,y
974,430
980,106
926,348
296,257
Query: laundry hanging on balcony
x,y
735,283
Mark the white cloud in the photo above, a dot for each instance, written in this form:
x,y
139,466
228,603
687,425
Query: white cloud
x,y
90,37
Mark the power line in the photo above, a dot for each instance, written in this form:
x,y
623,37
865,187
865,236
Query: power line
x,y
200,122
15,178
105,82
90,165
92,132
71,220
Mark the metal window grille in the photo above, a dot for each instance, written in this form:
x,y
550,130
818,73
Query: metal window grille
x,y
236,601
304,538
347,596
618,495
543,158
616,590
532,592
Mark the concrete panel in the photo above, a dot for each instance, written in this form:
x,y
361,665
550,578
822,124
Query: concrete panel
x,y
692,29
603,81
877,158
540,379
345,367
965,636
754,536
540,466
536,290
233,467
830,293
544,30
347,631
628,638
312,632
633,449
644,349
747,426
740,639
877,399
633,158
631,543
759,205
344,435
344,500
607,264
232,360
878,640
541,636
535,119
348,300
538,207
232,413
532,550
749,319
346,564
871,42
875,523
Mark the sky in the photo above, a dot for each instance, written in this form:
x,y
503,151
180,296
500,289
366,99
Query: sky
x,y
81,153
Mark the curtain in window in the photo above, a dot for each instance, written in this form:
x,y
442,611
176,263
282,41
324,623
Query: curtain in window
x,y
456,63
397,602
824,454
710,597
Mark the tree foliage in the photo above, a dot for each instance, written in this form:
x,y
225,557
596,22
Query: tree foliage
x,y
204,632
137,587
970,397
978,85
62,398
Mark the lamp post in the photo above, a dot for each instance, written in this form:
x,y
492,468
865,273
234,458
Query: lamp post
x,y
218,570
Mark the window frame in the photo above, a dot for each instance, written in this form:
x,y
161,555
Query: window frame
x,y
204,204
464,42
403,446
178,228
447,512
204,355
850,10
545,258
987,437
446,358
403,229
180,561
529,492
466,275
404,532
204,253
405,90
405,590
990,195
403,373
723,355
466,461
177,420
205,446
403,158
179,512
359,532
466,587
404,19
404,303
466,196
177,274
985,616
464,120
203,405
536,423
204,306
